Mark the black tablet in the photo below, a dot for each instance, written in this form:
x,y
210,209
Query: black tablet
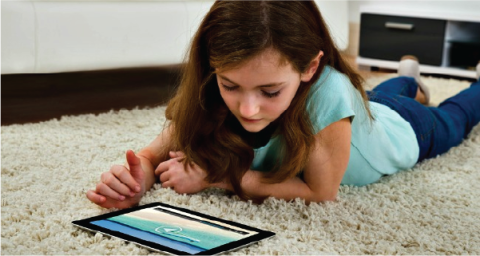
x,y
165,228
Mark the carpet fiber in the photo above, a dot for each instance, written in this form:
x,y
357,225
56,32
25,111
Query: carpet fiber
x,y
47,168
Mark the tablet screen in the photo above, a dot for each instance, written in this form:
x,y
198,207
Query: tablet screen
x,y
174,230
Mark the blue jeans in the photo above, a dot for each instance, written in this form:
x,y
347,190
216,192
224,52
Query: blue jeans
x,y
437,128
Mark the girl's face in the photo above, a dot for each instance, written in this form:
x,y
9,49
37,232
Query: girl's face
x,y
260,90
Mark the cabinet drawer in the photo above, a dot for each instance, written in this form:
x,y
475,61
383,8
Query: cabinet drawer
x,y
390,37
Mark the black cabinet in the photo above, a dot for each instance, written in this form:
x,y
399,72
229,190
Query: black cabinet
x,y
447,44
390,37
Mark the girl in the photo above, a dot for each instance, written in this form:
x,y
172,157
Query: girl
x,y
268,107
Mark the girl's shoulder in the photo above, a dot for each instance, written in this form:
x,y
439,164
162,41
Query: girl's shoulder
x,y
332,79
331,98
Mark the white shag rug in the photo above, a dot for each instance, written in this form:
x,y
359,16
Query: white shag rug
x,y
47,167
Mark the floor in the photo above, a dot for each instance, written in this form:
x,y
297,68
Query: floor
x,y
38,97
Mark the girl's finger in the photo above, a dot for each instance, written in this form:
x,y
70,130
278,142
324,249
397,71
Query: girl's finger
x,y
167,184
106,191
112,181
164,176
127,183
164,166
175,154
95,198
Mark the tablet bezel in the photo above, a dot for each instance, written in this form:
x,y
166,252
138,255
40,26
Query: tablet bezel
x,y
86,224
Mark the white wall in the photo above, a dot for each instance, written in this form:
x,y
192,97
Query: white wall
x,y
469,7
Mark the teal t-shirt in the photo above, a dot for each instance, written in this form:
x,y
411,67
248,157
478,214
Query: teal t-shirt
x,y
379,147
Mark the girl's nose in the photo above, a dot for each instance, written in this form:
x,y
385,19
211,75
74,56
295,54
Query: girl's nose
x,y
249,106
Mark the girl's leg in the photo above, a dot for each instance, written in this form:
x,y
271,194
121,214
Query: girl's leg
x,y
458,114
437,129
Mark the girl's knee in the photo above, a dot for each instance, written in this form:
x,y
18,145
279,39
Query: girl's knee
x,y
402,85
406,80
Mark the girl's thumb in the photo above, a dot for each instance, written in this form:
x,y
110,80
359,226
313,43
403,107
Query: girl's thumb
x,y
134,163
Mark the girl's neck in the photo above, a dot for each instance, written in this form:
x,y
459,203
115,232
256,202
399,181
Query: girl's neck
x,y
258,139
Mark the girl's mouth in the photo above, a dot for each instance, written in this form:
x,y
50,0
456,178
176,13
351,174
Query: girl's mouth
x,y
250,120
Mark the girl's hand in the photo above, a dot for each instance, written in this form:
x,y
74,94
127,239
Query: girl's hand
x,y
173,175
121,187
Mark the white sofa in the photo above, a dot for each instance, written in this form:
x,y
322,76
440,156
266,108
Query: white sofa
x,y
63,36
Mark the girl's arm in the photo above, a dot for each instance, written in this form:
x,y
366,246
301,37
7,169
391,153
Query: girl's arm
x,y
322,175
124,185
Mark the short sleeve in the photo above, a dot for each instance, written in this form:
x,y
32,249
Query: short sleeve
x,y
332,98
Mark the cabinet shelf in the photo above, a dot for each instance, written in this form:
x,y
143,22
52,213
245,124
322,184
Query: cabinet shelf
x,y
474,42
427,69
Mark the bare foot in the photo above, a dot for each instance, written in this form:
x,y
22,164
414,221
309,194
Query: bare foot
x,y
420,97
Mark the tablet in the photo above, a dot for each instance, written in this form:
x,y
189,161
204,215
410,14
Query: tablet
x,y
173,230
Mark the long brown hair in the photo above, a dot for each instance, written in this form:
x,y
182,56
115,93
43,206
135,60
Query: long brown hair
x,y
231,33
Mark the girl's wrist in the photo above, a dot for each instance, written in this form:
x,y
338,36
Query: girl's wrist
x,y
222,185
252,184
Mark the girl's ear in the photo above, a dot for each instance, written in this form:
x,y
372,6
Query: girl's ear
x,y
307,75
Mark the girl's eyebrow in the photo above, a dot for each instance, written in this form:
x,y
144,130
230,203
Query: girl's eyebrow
x,y
262,86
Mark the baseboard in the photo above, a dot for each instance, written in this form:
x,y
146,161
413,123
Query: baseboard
x,y
39,97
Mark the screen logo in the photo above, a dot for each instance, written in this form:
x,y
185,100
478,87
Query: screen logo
x,y
176,232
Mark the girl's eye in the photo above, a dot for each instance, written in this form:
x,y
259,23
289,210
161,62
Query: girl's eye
x,y
229,88
264,93
271,94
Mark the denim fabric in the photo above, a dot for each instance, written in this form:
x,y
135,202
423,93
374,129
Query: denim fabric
x,y
437,128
